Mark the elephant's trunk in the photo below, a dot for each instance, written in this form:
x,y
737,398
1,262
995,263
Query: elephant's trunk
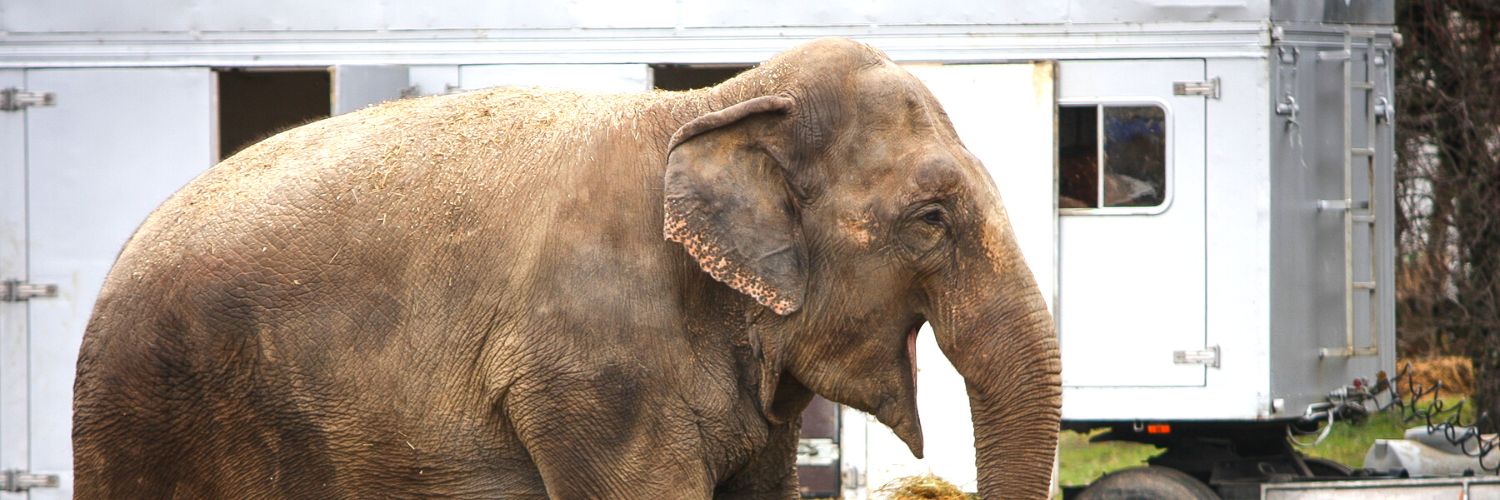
x,y
1000,338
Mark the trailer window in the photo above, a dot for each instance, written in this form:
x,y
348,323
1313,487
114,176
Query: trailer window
x,y
1111,156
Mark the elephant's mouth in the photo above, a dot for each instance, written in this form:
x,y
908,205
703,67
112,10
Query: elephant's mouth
x,y
911,351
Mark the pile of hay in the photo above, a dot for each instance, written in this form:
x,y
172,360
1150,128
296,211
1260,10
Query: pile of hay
x,y
925,487
1455,372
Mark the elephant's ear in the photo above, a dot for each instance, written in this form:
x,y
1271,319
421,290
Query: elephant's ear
x,y
727,202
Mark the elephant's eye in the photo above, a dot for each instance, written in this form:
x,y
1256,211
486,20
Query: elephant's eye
x,y
934,216
927,227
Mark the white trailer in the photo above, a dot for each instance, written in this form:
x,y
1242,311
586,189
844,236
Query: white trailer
x,y
1203,188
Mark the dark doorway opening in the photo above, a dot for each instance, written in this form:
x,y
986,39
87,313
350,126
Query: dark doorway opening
x,y
692,76
255,104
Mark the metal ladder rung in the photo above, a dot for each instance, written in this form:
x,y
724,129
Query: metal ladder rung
x,y
1333,55
1365,218
1346,352
1337,205
1362,85
1363,285
1362,151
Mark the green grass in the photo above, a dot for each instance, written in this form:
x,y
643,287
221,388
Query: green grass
x,y
1083,462
1348,442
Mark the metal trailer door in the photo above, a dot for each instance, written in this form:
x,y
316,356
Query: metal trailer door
x,y
1132,280
356,87
1004,113
13,338
115,145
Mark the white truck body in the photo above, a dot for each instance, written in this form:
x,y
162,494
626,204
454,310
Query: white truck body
x,y
1260,279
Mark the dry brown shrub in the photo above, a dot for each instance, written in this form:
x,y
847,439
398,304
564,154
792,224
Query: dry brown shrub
x,y
924,487
1456,373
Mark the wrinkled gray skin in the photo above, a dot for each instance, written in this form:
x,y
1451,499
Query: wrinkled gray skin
x,y
471,295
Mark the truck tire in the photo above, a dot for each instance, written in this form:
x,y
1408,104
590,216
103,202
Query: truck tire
x,y
1148,483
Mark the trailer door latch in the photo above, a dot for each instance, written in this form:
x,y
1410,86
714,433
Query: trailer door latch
x,y
21,291
15,480
1207,357
1208,88
14,99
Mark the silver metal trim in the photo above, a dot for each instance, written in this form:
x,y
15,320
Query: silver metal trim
x,y
19,291
14,99
1209,88
1208,357
18,481
1384,111
1344,205
1333,55
1287,54
1165,40
1347,352
1287,106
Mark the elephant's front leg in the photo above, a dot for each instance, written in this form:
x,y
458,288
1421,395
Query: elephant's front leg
x,y
771,473
605,435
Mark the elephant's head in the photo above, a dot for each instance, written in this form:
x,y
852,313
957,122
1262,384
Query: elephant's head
x,y
838,196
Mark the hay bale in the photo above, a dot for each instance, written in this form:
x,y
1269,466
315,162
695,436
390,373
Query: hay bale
x,y
1456,373
924,487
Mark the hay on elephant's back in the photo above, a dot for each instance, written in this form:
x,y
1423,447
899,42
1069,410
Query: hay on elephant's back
x,y
924,487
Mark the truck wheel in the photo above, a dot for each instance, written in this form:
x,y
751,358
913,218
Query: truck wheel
x,y
1148,483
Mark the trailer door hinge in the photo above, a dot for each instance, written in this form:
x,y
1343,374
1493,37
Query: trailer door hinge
x,y
1207,357
21,291
1209,88
14,99
15,480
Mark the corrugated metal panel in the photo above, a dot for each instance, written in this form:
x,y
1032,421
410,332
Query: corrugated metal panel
x,y
524,14
143,16
1335,11
698,46
1139,11
87,16
866,12
56,16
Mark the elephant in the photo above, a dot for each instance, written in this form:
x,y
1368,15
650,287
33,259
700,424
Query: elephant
x,y
539,293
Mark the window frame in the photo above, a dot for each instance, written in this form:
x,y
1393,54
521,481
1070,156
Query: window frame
x,y
1168,159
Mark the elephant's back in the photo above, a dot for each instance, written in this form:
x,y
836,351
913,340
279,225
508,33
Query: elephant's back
x,y
412,160
375,187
